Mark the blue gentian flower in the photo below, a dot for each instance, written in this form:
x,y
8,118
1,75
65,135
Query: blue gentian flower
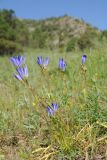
x,y
55,106
17,60
51,110
62,64
18,77
42,62
46,62
84,57
22,73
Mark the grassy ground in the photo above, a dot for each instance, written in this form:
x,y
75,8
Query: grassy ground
x,y
77,131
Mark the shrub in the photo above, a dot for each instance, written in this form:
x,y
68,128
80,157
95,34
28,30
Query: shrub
x,y
104,33
9,47
71,45
85,42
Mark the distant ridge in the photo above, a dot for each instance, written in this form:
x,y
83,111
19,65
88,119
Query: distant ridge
x,y
65,33
60,31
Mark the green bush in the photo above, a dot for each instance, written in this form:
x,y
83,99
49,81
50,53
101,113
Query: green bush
x,y
85,42
71,45
104,33
9,47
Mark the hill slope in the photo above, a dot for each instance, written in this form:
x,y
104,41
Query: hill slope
x,y
59,32
65,33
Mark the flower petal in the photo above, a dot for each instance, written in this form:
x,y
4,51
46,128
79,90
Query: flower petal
x,y
46,62
40,60
55,106
25,71
62,64
50,111
18,77
84,57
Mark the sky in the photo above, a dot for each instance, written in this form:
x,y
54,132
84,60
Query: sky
x,y
93,12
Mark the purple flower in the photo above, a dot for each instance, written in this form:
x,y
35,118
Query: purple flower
x,y
62,64
42,62
55,106
22,73
17,60
18,77
51,110
84,57
46,62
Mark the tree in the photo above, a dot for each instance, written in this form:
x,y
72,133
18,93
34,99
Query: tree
x,y
7,24
72,44
10,33
40,38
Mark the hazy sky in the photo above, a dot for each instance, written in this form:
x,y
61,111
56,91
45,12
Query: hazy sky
x,y
92,11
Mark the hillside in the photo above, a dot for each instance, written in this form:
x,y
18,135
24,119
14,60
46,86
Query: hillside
x,y
61,31
74,27
65,33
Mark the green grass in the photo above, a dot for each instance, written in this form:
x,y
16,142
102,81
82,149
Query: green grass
x,y
79,127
